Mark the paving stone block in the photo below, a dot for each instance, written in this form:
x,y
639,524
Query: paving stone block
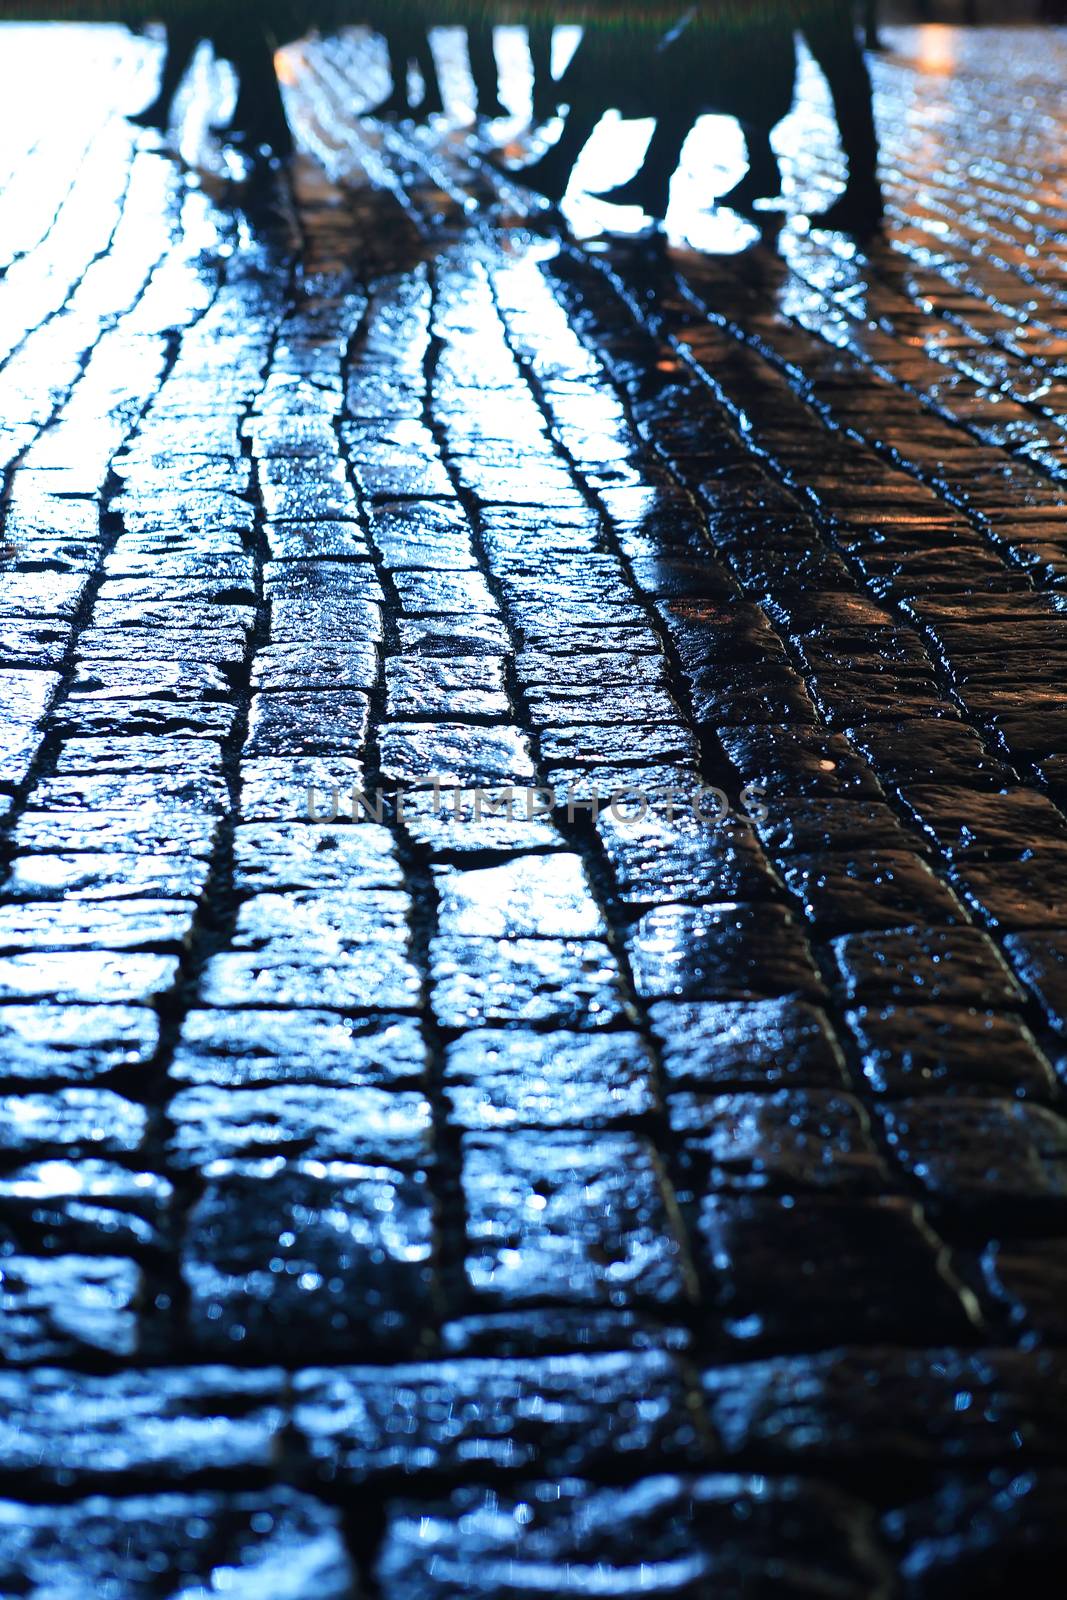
x,y
867,1407
650,705
714,1533
807,610
848,699
74,977
590,787
678,577
979,672
322,722
814,1269
39,594
18,751
762,1044
576,636
231,624
173,637
139,882
513,484
185,552
788,761
617,744
506,819
166,1425
563,1415
948,1050
594,582
528,897
869,650
749,694
348,949
708,634
938,966
793,1139
1017,894
551,671
870,889
283,668
184,512
287,975
33,645
274,1540
305,498
454,754
1040,960
239,1049
290,437
317,617
421,534
935,752
384,479
965,823
280,1257
446,637
170,834
116,924
795,825
568,983
74,1043
85,719
723,952
314,856
981,1153
89,1206
438,593
656,863
70,1122
346,580
141,796
1032,734
281,789
67,1307
422,686
155,752
802,560
129,680
554,1218
500,1079
297,1121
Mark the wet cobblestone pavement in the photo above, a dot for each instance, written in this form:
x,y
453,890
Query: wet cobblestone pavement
x,y
582,1203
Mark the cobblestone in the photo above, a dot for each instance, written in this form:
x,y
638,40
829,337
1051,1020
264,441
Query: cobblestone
x,y
409,1187
565,1415
660,1532
258,1539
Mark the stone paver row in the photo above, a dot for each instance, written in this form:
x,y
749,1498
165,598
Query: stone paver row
x,y
445,1204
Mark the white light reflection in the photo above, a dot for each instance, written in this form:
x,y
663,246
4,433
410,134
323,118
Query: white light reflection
x,y
712,161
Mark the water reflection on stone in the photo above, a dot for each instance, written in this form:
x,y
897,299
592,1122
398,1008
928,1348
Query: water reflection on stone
x,y
475,1200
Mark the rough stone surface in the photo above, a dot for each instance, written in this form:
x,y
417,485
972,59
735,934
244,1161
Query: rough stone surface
x,y
565,1415
546,1215
65,1429
278,1254
938,1405
613,1141
497,1079
275,1541
718,1531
